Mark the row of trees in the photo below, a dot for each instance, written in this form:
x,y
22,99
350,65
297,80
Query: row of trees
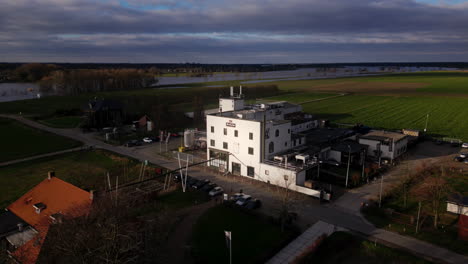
x,y
81,81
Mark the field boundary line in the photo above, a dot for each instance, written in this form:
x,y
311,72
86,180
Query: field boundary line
x,y
326,98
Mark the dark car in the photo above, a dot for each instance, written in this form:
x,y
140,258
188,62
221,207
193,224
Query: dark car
x,y
458,158
200,184
210,186
439,142
132,143
253,204
191,181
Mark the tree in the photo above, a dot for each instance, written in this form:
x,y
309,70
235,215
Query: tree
x,y
198,110
110,233
433,189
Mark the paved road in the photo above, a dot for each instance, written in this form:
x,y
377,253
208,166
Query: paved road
x,y
344,212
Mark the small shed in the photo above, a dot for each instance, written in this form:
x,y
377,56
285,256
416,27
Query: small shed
x,y
458,204
145,123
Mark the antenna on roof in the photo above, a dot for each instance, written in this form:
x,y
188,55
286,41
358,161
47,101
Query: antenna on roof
x,y
232,91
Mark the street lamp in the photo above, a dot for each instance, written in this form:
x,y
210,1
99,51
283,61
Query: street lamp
x,y
349,161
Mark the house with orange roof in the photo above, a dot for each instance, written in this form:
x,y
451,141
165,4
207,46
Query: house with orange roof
x,y
47,203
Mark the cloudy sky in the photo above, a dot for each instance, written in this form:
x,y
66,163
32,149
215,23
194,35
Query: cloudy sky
x,y
233,31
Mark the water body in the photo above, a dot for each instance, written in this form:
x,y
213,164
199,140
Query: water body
x,y
18,91
299,74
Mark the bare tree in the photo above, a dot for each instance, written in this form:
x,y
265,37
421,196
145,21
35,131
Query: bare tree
x,y
433,189
110,233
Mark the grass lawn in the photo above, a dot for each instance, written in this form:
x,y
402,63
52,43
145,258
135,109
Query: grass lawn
x,y
447,116
342,247
254,240
20,141
422,82
178,199
300,97
85,169
63,122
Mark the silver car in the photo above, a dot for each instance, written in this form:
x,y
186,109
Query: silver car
x,y
243,200
216,191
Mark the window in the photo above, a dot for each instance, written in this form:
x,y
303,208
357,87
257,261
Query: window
x,y
286,144
267,172
236,133
277,133
212,142
300,141
271,147
212,129
225,131
251,151
250,171
225,145
251,136
289,131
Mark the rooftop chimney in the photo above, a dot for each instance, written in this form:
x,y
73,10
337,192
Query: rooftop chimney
x,y
232,91
240,90
20,227
50,174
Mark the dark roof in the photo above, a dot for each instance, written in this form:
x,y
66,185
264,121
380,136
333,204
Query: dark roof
x,y
9,223
320,136
343,146
103,105
458,199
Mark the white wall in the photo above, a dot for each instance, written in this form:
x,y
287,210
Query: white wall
x,y
238,146
457,209
230,104
386,153
282,142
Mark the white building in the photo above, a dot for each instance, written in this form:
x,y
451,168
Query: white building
x,y
390,145
260,141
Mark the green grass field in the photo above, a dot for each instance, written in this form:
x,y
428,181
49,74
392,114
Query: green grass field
x,y
447,116
300,97
430,82
253,239
20,141
85,169
342,247
63,122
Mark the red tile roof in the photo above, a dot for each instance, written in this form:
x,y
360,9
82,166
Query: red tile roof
x,y
58,197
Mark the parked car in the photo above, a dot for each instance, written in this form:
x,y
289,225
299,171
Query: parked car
x,y
191,181
465,161
464,145
243,200
253,204
458,158
132,143
200,184
235,197
463,155
439,142
147,140
210,186
216,191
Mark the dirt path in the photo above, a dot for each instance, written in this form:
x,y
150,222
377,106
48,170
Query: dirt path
x,y
178,244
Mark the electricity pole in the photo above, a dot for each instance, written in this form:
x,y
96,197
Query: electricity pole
x,y
427,120
349,160
380,196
